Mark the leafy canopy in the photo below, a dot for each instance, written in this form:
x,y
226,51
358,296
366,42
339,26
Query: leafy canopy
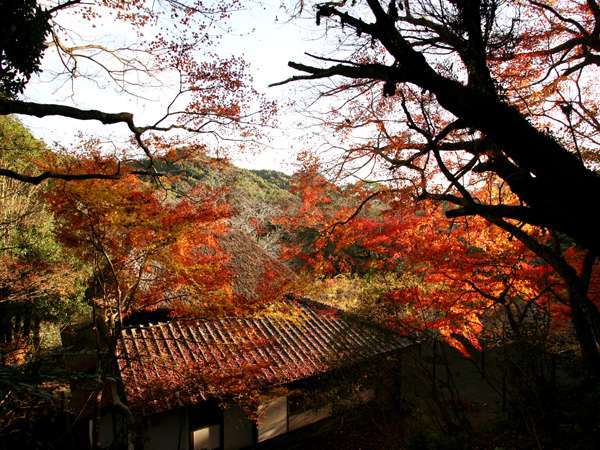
x,y
25,26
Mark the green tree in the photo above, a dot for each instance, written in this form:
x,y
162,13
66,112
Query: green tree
x,y
35,268
24,27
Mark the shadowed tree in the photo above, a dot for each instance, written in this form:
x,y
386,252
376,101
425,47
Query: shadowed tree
x,y
451,94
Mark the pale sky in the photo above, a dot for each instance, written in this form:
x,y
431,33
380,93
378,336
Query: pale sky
x,y
261,34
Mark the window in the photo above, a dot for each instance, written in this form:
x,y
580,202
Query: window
x,y
208,437
205,422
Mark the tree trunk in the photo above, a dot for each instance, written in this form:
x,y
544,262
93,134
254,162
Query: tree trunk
x,y
586,321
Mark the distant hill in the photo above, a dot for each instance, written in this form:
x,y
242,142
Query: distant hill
x,y
257,196
266,185
274,177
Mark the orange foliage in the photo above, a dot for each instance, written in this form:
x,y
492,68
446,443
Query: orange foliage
x,y
147,249
467,268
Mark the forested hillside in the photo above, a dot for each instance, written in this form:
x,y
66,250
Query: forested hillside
x,y
256,196
37,265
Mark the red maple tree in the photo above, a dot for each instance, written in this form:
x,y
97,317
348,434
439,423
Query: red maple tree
x,y
146,247
463,271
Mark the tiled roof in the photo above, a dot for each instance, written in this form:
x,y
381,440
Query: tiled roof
x,y
183,360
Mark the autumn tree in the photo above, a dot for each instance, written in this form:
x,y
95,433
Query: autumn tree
x,y
417,271
161,49
443,96
147,249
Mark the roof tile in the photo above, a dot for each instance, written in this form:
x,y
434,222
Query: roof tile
x,y
187,360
